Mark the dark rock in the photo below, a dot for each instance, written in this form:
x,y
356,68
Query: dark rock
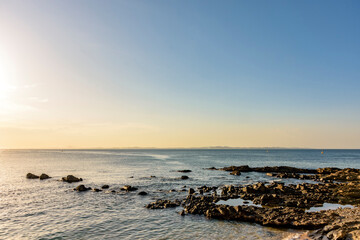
x,y
31,176
191,191
184,177
96,190
161,204
237,173
44,176
105,186
185,171
81,188
128,188
71,179
142,193
211,168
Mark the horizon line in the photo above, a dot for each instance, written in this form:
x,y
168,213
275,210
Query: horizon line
x,y
181,148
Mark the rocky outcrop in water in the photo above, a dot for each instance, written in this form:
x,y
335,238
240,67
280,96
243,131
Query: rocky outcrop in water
x,y
128,188
71,179
184,171
31,176
284,205
44,176
81,188
184,177
160,204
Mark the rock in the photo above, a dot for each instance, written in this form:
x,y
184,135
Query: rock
x,y
31,176
185,171
105,186
81,188
128,188
184,177
71,179
142,193
96,190
191,191
237,173
44,176
161,204
211,168
152,176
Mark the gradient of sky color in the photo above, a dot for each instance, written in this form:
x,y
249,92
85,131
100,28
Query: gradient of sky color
x,y
87,74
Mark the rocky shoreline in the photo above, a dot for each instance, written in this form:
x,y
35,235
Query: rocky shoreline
x,y
269,204
280,205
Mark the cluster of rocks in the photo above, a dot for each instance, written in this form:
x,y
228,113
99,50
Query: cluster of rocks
x,y
320,174
161,204
283,205
126,188
41,177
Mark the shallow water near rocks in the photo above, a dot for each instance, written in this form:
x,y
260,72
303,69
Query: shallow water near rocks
x,y
328,206
49,209
237,202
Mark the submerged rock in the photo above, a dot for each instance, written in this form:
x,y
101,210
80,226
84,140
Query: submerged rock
x,y
185,171
31,176
81,188
184,177
44,176
105,187
71,179
128,188
142,193
237,173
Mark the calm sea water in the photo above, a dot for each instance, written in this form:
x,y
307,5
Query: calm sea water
x,y
49,209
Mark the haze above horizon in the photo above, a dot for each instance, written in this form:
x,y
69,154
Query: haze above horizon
x,y
189,74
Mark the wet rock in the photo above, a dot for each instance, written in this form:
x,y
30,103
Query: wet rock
x,y
237,173
96,190
128,188
161,204
191,191
185,171
81,188
142,193
105,186
31,176
44,176
152,176
71,179
184,177
211,168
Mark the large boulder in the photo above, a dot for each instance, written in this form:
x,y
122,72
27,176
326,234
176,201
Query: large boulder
x,y
31,176
71,179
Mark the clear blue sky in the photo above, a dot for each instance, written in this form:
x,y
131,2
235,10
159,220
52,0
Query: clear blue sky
x,y
254,66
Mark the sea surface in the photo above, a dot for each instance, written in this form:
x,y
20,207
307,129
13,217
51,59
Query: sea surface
x,y
50,209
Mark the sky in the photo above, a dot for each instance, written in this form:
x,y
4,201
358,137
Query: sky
x,y
167,74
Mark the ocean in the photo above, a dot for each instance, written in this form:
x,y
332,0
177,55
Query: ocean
x,y
50,209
